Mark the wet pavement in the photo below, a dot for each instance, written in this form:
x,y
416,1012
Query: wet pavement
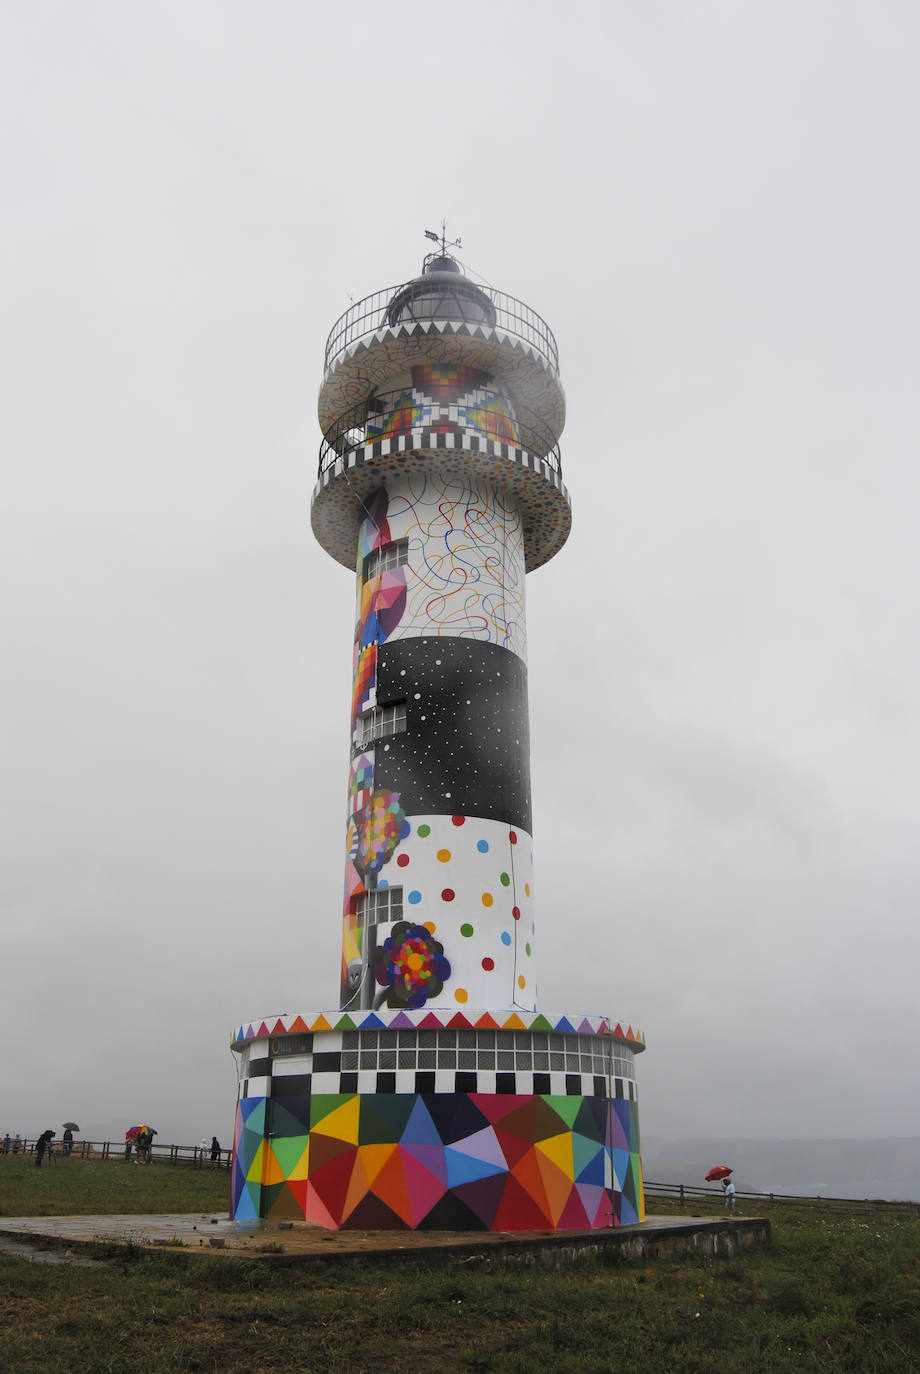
x,y
214,1232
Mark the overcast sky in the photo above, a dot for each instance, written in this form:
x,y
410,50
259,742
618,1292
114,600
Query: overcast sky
x,y
715,207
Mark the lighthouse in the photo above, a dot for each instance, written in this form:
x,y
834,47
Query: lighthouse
x,y
439,1094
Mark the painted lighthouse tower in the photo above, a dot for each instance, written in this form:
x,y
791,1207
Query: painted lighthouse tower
x,y
438,1095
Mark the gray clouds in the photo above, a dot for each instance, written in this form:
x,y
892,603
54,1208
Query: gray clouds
x,y
713,209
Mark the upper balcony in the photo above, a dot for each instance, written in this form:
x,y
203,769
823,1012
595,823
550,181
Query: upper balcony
x,y
442,316
414,301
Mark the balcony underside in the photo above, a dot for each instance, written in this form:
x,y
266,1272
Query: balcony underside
x,y
528,481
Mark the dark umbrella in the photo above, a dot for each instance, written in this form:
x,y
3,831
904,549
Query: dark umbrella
x,y
720,1171
71,1126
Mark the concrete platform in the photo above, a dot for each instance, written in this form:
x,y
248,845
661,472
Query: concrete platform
x,y
299,1243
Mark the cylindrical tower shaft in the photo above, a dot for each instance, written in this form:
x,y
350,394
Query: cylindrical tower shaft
x,y
438,903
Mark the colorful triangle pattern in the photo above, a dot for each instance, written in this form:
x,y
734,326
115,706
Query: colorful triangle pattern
x,y
446,1161
436,1018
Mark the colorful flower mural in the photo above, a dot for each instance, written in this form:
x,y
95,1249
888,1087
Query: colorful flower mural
x,y
412,965
376,831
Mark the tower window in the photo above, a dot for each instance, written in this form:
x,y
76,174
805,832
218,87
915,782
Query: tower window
x,y
382,721
390,556
384,904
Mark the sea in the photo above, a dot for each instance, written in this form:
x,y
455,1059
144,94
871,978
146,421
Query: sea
x,y
885,1168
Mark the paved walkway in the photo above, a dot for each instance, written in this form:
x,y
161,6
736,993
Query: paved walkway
x,y
215,1231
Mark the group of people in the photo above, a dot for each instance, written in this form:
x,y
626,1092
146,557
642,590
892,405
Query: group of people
x,y
43,1143
214,1148
140,1141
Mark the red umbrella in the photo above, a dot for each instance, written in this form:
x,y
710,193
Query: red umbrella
x,y
720,1171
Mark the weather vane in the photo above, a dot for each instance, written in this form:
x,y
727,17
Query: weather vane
x,y
442,238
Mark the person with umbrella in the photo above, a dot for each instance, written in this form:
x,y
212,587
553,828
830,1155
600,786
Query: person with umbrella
x,y
69,1128
142,1138
722,1173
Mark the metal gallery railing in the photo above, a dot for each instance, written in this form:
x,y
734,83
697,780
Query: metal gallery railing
x,y
395,413
511,317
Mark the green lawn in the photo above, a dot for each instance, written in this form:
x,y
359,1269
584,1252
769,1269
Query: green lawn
x,y
832,1293
70,1187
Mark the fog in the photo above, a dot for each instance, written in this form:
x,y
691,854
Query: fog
x,y
714,209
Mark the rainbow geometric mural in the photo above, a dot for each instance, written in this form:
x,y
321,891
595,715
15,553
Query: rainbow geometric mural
x,y
439,1162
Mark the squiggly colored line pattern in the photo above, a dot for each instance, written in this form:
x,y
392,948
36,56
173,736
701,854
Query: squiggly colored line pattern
x,y
466,561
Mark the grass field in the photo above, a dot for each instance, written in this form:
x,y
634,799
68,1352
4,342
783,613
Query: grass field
x,y
838,1292
73,1187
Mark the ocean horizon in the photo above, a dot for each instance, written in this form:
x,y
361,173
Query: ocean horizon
x,y
886,1168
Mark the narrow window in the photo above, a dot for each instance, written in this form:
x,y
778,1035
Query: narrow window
x,y
390,556
381,722
384,904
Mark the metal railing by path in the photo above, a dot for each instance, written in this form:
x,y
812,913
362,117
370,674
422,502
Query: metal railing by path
x,y
682,1192
193,1156
511,317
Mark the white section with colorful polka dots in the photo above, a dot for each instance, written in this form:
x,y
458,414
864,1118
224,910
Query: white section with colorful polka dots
x,y
469,882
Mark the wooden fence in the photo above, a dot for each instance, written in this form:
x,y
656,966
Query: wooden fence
x,y
714,1197
194,1156
199,1157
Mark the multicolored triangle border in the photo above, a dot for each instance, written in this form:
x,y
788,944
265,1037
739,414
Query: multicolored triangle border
x,y
384,1018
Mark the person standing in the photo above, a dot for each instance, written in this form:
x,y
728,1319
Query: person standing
x,y
6,1143
729,1187
215,1152
68,1142
41,1145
